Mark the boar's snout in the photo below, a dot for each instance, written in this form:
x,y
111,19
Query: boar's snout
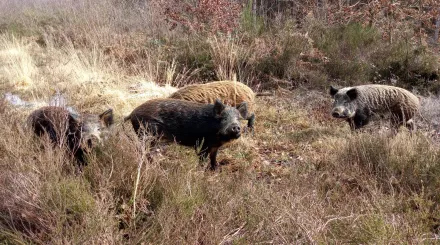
x,y
235,131
339,112
94,139
342,112
336,114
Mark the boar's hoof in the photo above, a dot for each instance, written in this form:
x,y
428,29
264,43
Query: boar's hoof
x,y
225,162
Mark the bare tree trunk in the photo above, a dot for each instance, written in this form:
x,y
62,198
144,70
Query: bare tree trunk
x,y
254,11
437,27
322,6
278,7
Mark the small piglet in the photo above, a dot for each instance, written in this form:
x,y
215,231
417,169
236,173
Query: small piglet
x,y
190,123
77,132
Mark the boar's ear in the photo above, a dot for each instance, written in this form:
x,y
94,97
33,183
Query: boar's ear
x,y
242,108
333,91
352,94
218,107
107,117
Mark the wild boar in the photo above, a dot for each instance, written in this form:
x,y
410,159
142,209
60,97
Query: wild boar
x,y
357,104
190,123
230,92
64,127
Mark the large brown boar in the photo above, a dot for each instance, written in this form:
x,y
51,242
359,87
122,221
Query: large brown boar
x,y
357,104
64,127
230,92
190,123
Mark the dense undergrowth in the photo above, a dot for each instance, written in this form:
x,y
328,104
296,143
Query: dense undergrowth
x,y
137,38
302,177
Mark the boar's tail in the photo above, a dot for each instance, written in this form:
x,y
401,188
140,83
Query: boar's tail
x,y
264,94
127,118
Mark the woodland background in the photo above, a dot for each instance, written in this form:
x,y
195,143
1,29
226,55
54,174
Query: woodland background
x,y
302,178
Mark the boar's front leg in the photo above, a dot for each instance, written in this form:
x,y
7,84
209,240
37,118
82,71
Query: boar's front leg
x,y
360,119
80,157
251,121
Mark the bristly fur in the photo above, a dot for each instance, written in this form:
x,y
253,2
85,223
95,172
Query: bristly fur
x,y
230,92
61,126
402,104
189,123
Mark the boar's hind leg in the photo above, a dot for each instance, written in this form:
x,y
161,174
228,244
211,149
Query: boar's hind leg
x,y
40,129
145,130
203,154
398,119
213,158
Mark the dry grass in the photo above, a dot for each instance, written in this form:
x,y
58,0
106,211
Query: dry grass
x,y
302,177
87,79
295,180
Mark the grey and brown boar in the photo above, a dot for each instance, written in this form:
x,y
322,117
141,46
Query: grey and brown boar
x,y
208,126
357,104
63,127
230,92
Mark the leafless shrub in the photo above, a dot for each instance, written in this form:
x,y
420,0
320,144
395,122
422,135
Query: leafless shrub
x,y
430,110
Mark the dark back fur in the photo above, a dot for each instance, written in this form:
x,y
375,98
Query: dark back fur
x,y
184,121
188,123
60,126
